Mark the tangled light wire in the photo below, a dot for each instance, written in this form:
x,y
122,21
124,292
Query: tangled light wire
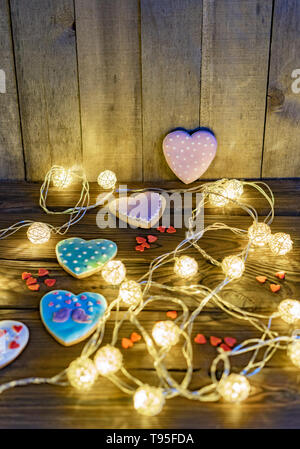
x,y
135,296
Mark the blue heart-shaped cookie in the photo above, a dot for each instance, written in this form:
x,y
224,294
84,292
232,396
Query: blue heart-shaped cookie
x,y
82,258
71,318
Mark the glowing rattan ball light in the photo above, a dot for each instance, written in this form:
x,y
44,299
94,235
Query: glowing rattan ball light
x,y
234,388
259,234
234,189
107,179
82,373
293,352
289,310
185,267
218,197
280,243
166,333
233,267
148,400
130,293
114,272
108,360
61,177
38,233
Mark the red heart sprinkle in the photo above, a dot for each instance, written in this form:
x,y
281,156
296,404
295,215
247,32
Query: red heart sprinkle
x,y
13,345
43,272
67,301
31,281
140,239
280,274
51,304
17,328
200,339
135,337
215,341
172,314
261,279
34,287
171,230
225,347
126,343
161,228
151,238
275,288
50,282
230,341
139,248
146,245
26,275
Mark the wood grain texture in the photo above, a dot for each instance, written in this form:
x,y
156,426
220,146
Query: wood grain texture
x,y
110,86
46,65
275,398
171,59
11,152
235,41
281,151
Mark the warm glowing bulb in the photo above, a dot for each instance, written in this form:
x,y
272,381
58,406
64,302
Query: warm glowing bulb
x,y
165,333
234,388
218,197
234,189
61,177
130,293
280,243
108,360
233,266
185,267
107,179
289,310
38,233
148,400
259,234
114,272
293,352
82,373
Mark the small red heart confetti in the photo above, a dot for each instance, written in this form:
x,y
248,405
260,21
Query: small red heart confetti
x,y
172,314
146,245
275,288
67,301
139,248
161,228
51,304
225,347
140,239
135,337
31,281
215,341
126,343
230,341
26,275
17,328
280,274
261,279
200,339
43,272
13,345
50,282
151,238
171,230
34,287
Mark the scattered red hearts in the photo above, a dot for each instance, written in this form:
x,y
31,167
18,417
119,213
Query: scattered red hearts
x,y
31,281
50,282
43,272
26,275
151,238
140,239
215,341
139,248
126,343
280,274
261,279
230,341
275,288
135,337
172,314
200,339
34,287
146,245
17,328
225,347
161,228
171,230
13,345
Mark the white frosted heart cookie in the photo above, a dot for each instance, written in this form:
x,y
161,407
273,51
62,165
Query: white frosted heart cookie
x,y
14,337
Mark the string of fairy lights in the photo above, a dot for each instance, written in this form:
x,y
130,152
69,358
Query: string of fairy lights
x,y
134,295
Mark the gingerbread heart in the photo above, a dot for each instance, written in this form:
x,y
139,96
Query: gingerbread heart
x,y
189,155
141,211
71,318
14,337
82,258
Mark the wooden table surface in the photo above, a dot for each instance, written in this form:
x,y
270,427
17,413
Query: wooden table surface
x,y
275,401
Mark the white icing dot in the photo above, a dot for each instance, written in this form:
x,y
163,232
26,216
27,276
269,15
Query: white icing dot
x,y
93,257
64,249
77,269
86,260
75,261
69,254
83,252
111,245
90,247
104,255
89,267
77,249
96,252
79,256
207,138
65,261
103,247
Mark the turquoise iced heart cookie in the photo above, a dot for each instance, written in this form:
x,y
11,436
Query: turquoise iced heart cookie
x,y
71,318
82,258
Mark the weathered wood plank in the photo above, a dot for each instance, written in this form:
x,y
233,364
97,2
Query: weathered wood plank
x,y
171,58
281,151
110,87
236,36
45,52
11,152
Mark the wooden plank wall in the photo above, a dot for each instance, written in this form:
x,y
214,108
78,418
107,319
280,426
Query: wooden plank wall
x,y
99,83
